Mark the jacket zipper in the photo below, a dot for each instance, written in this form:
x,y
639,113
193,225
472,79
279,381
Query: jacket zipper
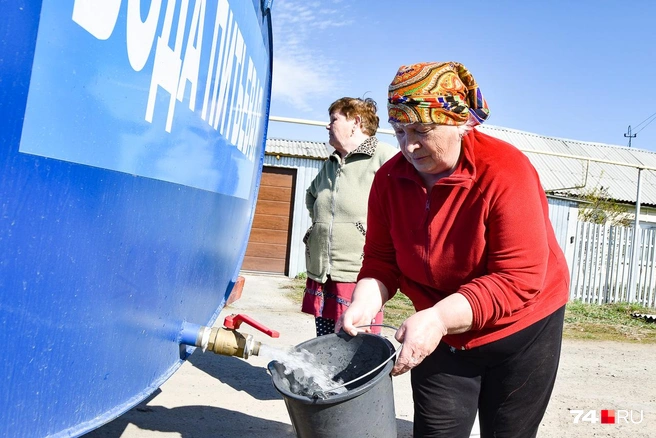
x,y
427,244
332,218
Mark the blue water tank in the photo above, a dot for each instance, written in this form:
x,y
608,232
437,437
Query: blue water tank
x,y
131,146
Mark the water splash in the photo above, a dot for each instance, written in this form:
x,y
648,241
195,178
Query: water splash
x,y
305,375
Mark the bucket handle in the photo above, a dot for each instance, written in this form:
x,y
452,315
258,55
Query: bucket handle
x,y
370,372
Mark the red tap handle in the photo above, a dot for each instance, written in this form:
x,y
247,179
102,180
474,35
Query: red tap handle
x,y
234,321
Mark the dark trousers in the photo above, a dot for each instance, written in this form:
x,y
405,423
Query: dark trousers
x,y
508,381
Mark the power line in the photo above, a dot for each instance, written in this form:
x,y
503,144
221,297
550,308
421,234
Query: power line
x,y
645,120
653,117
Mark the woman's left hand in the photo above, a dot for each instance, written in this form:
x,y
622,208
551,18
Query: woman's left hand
x,y
419,334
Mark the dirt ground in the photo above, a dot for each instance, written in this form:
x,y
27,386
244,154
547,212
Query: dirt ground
x,y
603,375
217,396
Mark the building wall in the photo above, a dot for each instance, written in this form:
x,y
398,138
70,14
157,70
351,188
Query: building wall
x,y
307,171
559,211
562,213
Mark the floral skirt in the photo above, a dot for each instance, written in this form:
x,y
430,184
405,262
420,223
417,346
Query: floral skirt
x,y
330,299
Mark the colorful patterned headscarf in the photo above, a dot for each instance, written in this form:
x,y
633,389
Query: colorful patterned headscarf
x,y
435,92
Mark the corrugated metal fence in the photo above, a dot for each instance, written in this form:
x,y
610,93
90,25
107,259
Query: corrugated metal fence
x,y
601,265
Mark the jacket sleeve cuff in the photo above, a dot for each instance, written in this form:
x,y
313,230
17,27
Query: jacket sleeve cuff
x,y
478,317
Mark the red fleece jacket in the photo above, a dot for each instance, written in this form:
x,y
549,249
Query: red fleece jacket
x,y
483,231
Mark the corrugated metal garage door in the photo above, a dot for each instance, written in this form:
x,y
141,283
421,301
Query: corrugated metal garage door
x,y
268,246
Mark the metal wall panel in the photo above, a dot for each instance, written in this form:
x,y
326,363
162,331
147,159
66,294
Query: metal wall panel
x,y
559,214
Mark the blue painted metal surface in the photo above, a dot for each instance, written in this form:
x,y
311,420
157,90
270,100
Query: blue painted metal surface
x,y
131,147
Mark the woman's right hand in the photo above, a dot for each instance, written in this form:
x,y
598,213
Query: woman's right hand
x,y
367,300
355,316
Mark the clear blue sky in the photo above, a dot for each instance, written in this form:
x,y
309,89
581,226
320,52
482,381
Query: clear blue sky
x,y
582,70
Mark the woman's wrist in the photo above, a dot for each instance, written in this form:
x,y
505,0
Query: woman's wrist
x,y
453,315
370,291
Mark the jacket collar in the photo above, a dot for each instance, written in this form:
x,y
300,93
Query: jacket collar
x,y
367,147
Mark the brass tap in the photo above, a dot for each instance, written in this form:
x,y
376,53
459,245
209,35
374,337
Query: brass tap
x,y
230,342
225,340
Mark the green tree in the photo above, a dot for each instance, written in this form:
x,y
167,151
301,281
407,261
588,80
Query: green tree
x,y
600,208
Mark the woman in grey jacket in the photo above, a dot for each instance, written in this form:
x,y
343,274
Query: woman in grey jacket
x,y
337,202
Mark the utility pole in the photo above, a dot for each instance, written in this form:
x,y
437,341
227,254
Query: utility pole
x,y
629,135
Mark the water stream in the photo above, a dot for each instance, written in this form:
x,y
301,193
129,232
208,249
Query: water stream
x,y
306,376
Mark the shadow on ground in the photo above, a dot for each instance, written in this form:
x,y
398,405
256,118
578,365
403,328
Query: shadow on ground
x,y
193,422
204,421
237,373
198,421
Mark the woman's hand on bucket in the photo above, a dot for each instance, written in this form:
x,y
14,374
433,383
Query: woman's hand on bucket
x,y
419,335
353,317
422,332
368,298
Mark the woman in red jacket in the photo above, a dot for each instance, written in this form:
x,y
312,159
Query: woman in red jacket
x,y
459,223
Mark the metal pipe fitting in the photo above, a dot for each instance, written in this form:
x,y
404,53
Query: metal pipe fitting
x,y
232,343
228,342
225,340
